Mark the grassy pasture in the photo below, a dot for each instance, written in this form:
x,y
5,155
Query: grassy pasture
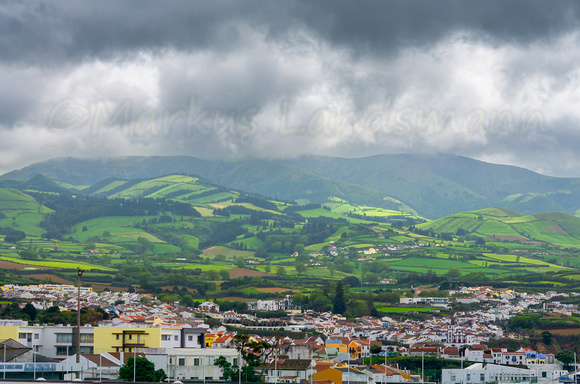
x,y
321,212
204,210
55,264
110,186
452,223
227,252
164,248
432,263
251,243
204,267
215,197
514,259
25,221
401,238
490,227
120,227
247,205
403,310
315,247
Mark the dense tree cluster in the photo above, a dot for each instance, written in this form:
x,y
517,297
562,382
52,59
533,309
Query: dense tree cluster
x,y
69,211
12,235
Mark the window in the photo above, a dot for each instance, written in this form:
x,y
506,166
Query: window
x,y
87,350
544,374
36,336
165,337
189,338
196,362
235,362
64,337
87,338
62,351
181,362
130,337
175,338
117,337
482,377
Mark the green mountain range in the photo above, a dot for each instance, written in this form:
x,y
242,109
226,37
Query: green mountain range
x,y
431,186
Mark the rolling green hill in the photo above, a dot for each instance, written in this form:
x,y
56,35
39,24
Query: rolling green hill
x,y
430,186
188,224
37,183
21,211
552,227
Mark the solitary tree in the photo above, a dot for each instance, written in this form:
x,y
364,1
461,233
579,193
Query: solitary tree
x,y
300,268
453,274
376,349
339,302
566,357
224,274
144,371
187,300
30,310
546,337
258,355
229,372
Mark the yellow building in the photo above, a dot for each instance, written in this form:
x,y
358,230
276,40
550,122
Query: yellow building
x,y
124,339
209,339
9,332
340,343
359,348
331,374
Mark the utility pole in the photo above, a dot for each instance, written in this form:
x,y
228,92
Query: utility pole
x,y
386,354
78,338
348,368
422,367
134,364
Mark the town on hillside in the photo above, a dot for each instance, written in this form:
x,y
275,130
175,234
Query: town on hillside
x,y
207,343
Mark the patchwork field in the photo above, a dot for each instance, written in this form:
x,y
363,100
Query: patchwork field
x,y
277,290
28,264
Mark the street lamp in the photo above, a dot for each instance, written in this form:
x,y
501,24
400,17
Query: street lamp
x,y
78,338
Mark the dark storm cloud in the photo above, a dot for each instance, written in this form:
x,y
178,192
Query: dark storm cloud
x,y
69,30
226,79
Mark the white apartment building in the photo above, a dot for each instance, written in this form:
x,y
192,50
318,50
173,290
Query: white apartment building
x,y
480,374
190,364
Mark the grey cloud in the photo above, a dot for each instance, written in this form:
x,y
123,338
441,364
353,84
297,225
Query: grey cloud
x,y
68,30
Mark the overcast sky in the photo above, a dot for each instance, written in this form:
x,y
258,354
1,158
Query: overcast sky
x,y
498,81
